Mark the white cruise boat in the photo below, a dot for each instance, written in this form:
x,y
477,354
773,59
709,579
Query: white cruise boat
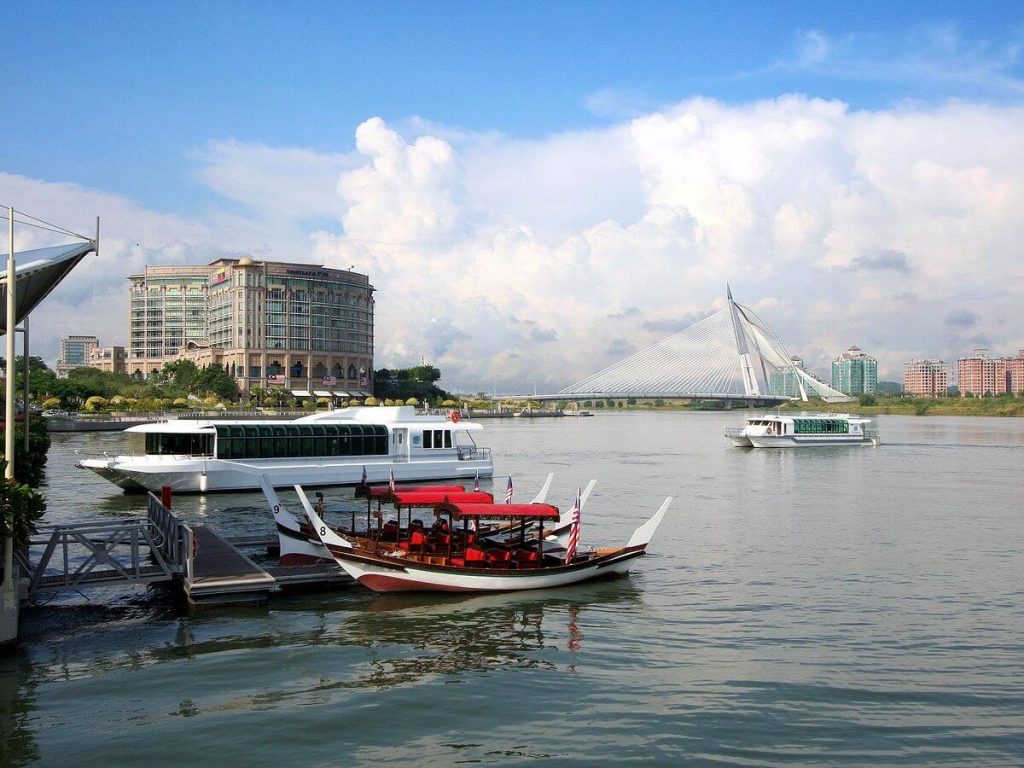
x,y
813,429
326,448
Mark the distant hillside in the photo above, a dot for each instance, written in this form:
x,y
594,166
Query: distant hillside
x,y
890,388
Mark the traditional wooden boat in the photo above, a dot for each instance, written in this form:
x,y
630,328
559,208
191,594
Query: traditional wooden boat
x,y
462,565
299,546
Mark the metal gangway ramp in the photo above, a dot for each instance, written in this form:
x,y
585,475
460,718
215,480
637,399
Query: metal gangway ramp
x,y
156,548
208,568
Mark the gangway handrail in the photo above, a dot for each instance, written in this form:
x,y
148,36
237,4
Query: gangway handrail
x,y
157,547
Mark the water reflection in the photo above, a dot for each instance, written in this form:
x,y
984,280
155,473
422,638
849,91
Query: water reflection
x,y
17,702
455,635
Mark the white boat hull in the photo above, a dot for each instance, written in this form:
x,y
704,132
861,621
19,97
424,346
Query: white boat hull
x,y
803,441
407,576
151,473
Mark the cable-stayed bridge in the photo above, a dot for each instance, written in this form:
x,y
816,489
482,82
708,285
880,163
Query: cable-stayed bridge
x,y
731,355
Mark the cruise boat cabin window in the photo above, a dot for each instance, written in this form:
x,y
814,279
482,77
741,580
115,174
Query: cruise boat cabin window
x,y
181,444
437,438
288,440
821,426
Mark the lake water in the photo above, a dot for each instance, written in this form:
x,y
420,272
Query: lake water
x,y
843,606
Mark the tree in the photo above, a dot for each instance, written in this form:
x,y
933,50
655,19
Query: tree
x,y
257,395
181,375
96,403
29,467
20,508
402,383
215,380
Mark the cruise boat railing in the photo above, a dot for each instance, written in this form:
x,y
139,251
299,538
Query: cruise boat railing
x,y
473,453
733,431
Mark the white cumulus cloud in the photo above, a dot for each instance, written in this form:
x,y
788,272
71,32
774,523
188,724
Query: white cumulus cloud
x,y
508,262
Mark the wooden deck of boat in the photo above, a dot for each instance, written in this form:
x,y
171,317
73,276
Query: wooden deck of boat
x,y
223,574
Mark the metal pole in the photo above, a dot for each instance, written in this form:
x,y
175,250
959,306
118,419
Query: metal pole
x,y
9,411
25,397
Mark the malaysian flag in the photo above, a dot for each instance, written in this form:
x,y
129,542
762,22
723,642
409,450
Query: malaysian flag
x,y
364,475
476,482
391,480
574,531
508,490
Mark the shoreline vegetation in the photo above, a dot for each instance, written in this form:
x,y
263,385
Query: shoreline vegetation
x,y
181,386
870,405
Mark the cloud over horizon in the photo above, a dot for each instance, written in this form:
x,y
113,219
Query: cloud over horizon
x,y
516,264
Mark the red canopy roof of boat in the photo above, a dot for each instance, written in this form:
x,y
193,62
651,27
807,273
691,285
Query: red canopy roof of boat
x,y
433,497
379,491
459,510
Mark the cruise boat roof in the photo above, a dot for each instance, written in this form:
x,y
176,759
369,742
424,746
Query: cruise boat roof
x,y
806,415
403,416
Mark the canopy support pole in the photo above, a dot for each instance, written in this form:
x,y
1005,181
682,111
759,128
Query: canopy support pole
x,y
9,588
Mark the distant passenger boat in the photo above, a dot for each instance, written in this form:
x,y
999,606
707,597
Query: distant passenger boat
x,y
821,429
327,448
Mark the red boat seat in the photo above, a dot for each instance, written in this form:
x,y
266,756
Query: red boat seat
x,y
475,555
500,558
418,542
527,558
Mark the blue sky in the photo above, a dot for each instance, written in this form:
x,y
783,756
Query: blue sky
x,y
193,125
119,95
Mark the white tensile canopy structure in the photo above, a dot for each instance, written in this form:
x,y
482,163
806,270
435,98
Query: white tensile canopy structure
x,y
38,272
729,355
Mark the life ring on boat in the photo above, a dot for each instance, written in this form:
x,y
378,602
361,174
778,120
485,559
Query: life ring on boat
x,y
455,417
768,431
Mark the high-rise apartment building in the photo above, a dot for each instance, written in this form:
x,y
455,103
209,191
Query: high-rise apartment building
x,y
854,373
299,326
74,353
926,378
981,374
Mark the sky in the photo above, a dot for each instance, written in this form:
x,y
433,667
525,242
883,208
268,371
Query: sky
x,y
537,190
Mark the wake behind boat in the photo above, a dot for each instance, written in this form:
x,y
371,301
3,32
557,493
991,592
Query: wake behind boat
x,y
327,448
468,566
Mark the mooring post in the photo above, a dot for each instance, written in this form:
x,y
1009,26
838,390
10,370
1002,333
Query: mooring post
x,y
165,496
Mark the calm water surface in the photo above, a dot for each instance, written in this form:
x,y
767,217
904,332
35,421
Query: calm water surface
x,y
845,606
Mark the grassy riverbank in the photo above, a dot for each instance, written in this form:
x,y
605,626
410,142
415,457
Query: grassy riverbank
x,y
901,406
914,406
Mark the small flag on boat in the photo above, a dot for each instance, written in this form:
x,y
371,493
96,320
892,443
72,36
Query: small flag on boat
x,y
574,531
509,488
476,482
391,480
364,475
